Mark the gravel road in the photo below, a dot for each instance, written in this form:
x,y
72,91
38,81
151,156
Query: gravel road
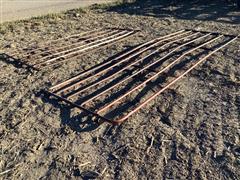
x,y
17,10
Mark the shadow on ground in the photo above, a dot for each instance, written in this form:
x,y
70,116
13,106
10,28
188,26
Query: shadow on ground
x,y
205,10
8,59
83,122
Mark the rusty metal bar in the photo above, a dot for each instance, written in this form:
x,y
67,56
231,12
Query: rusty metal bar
x,y
108,62
78,106
157,74
129,65
84,49
92,50
143,69
87,53
176,49
119,121
76,49
214,33
66,49
81,43
83,40
124,60
57,40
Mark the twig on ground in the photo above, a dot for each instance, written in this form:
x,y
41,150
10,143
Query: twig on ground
x,y
104,170
84,164
151,144
8,170
122,147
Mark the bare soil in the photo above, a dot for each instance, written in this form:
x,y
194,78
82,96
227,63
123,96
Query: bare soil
x,y
189,132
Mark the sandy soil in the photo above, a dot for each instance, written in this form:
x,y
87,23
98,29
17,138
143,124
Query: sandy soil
x,y
17,10
189,132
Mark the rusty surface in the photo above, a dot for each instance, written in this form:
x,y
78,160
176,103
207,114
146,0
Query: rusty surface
x,y
65,49
118,88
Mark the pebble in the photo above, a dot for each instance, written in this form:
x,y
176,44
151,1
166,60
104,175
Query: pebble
x,y
10,46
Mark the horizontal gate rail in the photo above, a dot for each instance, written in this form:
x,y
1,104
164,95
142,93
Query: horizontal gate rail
x,y
104,90
64,49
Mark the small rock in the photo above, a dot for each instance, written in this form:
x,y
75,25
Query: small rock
x,y
211,84
224,103
76,15
46,109
10,46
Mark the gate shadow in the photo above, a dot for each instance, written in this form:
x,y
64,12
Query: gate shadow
x,y
83,122
205,10
8,59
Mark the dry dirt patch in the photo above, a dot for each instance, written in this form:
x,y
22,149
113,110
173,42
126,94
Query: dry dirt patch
x,y
190,131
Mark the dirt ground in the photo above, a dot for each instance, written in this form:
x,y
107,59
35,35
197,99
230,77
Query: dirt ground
x,y
189,132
